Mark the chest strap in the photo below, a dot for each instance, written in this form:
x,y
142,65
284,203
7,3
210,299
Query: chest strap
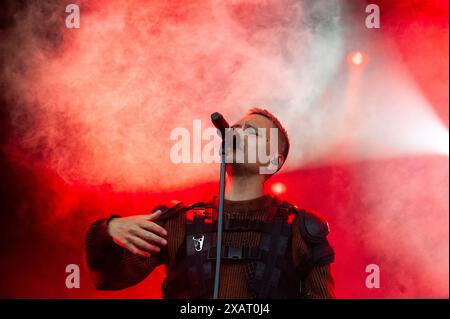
x,y
233,252
194,273
232,225
266,275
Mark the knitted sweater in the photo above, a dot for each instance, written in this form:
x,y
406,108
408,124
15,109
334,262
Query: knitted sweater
x,y
114,267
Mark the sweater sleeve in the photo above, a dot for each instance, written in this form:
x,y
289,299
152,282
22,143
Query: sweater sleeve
x,y
113,267
319,282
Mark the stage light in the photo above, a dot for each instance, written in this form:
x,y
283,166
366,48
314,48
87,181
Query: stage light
x,y
278,188
357,58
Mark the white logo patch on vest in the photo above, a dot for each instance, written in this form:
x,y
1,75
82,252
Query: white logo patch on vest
x,y
198,242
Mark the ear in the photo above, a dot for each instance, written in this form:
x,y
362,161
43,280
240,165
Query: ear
x,y
278,160
275,162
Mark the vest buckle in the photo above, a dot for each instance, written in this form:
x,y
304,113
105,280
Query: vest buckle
x,y
233,252
198,242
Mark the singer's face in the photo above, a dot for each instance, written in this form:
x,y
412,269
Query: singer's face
x,y
253,134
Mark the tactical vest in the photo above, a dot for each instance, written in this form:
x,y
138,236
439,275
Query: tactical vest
x,y
270,270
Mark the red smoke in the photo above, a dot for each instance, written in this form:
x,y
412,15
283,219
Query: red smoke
x,y
90,112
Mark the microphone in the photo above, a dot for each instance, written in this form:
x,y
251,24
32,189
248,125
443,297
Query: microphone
x,y
220,123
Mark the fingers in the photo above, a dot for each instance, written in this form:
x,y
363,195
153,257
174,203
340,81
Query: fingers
x,y
149,236
144,246
131,247
153,227
154,215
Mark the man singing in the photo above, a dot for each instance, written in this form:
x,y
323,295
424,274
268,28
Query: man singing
x,y
270,248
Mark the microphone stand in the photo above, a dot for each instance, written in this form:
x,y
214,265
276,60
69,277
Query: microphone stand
x,y
220,219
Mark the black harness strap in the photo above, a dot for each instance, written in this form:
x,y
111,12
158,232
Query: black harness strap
x,y
231,225
267,272
271,274
233,252
199,268
200,228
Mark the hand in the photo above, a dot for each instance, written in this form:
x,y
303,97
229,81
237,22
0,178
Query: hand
x,y
139,234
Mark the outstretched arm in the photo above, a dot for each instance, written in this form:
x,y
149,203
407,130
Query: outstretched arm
x,y
125,255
